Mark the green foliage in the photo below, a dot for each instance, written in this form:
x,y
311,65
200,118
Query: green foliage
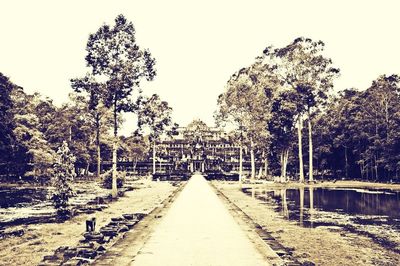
x,y
359,132
114,54
64,173
6,120
282,123
355,132
133,148
154,114
115,58
302,67
107,180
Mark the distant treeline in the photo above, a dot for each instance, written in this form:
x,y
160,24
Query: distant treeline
x,y
32,128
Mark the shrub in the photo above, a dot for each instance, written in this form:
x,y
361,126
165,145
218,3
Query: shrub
x,y
64,172
107,179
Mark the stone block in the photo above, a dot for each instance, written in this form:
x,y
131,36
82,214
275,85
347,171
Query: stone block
x,y
117,219
92,236
87,253
140,215
123,229
131,224
73,262
70,253
109,231
128,216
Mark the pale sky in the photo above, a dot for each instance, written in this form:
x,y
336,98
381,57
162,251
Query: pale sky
x,y
198,45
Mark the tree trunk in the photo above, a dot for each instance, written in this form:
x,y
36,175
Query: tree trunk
x,y
134,164
98,170
376,167
87,169
98,146
240,164
70,134
266,166
281,159
284,161
260,172
299,133
253,163
361,172
310,150
387,120
154,157
114,191
346,162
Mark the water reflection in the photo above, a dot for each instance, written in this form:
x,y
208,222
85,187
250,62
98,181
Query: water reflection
x,y
19,205
301,205
375,213
285,209
311,209
311,196
15,196
351,201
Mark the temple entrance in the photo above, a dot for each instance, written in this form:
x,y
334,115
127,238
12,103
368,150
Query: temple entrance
x,y
198,166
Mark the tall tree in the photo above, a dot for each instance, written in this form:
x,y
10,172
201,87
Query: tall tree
x,y
6,120
281,127
134,148
54,122
28,133
380,116
303,67
64,174
358,132
97,112
155,115
244,104
115,57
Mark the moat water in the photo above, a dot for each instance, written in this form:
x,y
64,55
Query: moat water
x,y
19,197
374,213
20,205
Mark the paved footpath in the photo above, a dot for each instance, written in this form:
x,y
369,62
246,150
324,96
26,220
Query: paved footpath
x,y
198,230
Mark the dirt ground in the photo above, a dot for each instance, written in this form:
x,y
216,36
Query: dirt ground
x,y
321,245
42,239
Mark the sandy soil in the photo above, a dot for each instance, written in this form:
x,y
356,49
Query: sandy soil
x,y
321,245
42,239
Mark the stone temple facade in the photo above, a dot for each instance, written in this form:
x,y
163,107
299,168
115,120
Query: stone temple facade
x,y
194,148
198,148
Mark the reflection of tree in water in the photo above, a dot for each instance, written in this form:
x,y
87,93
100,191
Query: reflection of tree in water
x,y
351,201
285,210
301,189
311,210
346,208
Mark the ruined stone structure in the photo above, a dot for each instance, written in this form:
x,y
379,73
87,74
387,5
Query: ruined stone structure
x,y
198,148
194,148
